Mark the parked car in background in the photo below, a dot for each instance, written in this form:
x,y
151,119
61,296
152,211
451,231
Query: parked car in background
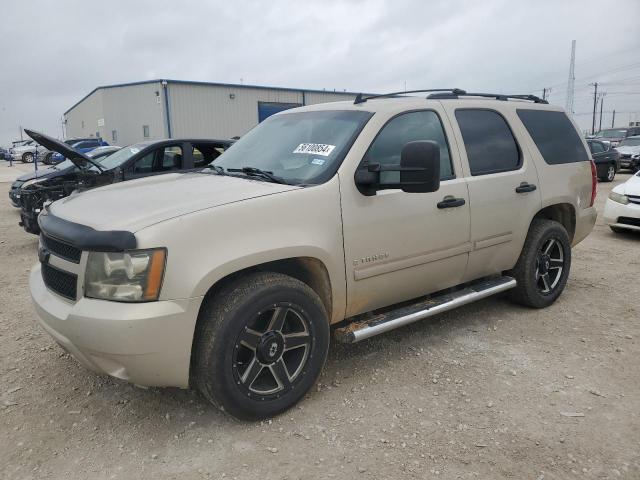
x,y
360,216
4,154
606,158
622,210
615,135
26,151
80,145
135,161
47,174
629,150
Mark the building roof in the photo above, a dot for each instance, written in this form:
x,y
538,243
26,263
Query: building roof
x,y
214,84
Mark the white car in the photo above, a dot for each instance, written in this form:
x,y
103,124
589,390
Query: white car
x,y
629,150
622,210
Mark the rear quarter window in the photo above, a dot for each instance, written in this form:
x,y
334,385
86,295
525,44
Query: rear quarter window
x,y
554,135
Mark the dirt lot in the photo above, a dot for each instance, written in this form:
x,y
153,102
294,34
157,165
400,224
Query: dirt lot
x,y
491,391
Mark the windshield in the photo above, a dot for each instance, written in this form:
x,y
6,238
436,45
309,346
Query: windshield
x,y
630,142
612,133
118,158
299,147
98,156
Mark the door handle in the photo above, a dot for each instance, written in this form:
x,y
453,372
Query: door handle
x,y
451,202
525,187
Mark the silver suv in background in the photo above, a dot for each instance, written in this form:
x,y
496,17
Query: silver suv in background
x,y
357,217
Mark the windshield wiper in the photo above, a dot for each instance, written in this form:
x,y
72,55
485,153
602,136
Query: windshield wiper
x,y
217,168
256,172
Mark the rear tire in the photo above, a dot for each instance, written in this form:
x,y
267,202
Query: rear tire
x,y
260,345
543,267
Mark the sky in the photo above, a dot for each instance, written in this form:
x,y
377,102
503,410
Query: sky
x,y
54,52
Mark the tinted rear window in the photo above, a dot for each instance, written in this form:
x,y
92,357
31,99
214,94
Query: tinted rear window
x,y
554,135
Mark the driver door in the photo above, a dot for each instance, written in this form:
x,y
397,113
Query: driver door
x,y
399,246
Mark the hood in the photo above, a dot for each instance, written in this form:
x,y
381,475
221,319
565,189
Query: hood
x,y
79,159
630,187
42,173
137,204
628,149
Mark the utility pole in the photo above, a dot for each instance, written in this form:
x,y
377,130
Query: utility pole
x,y
20,128
572,80
601,102
613,119
595,104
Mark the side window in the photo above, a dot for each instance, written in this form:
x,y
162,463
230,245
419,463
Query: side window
x,y
205,154
554,135
405,128
596,147
144,164
171,158
490,145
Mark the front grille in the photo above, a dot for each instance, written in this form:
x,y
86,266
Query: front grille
x,y
634,198
625,155
629,221
63,283
64,250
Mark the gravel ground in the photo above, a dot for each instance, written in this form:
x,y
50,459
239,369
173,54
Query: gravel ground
x,y
491,390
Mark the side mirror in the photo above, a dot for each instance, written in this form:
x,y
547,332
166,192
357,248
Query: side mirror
x,y
420,167
418,172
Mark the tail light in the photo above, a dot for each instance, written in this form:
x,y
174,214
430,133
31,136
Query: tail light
x,y
594,183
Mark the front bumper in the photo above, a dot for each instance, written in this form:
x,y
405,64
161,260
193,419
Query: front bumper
x,y
14,196
613,211
143,343
29,221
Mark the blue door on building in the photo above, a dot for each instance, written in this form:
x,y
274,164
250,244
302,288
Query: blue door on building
x,y
266,109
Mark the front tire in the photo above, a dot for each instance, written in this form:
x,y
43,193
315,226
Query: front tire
x,y
543,267
610,174
260,345
27,157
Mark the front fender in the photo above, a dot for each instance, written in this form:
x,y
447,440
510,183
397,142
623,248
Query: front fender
x,y
206,246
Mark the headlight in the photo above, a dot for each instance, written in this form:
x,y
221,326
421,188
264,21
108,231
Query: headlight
x,y
619,198
133,276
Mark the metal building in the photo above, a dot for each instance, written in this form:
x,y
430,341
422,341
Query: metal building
x,y
131,112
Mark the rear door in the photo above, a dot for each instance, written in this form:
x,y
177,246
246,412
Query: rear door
x,y
503,186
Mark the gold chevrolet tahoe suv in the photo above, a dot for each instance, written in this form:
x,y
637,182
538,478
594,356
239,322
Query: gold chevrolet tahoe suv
x,y
350,217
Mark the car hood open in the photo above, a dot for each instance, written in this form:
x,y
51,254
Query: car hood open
x,y
79,159
137,204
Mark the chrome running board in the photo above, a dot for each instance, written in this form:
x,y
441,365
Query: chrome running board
x,y
361,329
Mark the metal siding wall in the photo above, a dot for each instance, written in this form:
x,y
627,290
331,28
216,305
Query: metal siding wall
x,y
89,112
196,110
127,109
207,110
315,97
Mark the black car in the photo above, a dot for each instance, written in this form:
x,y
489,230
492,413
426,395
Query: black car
x,y
606,158
60,169
135,161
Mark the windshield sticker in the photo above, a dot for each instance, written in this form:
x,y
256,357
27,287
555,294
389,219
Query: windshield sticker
x,y
318,161
315,149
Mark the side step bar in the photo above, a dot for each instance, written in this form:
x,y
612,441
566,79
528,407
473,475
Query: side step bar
x,y
362,329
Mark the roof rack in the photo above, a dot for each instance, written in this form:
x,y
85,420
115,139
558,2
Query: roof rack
x,y
449,93
497,96
360,98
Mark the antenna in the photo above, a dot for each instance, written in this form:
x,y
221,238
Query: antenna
x,y
572,79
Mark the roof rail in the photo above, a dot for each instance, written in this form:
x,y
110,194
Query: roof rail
x,y
360,98
497,96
